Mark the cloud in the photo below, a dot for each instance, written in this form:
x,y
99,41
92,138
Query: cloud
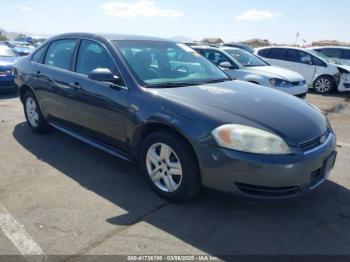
x,y
145,8
5,21
257,15
24,8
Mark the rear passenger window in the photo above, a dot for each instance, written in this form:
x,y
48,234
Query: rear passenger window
x,y
277,53
346,54
60,53
91,56
38,55
332,52
264,52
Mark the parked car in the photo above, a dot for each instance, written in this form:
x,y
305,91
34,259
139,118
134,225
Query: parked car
x,y
7,60
341,54
320,72
22,48
163,105
242,65
245,47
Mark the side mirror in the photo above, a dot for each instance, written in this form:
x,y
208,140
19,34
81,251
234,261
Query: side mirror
x,y
103,75
226,65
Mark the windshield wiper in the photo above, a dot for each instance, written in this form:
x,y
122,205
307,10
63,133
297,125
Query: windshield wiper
x,y
174,84
217,80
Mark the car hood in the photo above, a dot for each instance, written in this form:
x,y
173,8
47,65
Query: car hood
x,y
276,72
243,103
7,61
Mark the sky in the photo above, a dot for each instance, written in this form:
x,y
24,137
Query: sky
x,y
233,20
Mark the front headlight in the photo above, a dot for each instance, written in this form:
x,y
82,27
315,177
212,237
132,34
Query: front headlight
x,y
276,82
250,139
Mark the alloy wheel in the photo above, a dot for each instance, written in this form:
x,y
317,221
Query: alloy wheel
x,y
323,85
164,167
32,112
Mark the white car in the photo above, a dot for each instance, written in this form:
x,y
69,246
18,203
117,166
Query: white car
x,y
320,72
341,54
242,65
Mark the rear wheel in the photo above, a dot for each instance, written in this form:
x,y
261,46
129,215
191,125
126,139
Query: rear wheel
x,y
324,85
33,114
170,166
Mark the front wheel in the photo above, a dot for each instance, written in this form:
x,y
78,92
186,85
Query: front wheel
x,y
324,85
170,166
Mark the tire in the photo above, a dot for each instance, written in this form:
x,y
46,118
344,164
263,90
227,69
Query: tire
x,y
178,157
34,117
324,85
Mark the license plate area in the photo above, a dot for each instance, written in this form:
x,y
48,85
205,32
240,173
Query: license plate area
x,y
320,175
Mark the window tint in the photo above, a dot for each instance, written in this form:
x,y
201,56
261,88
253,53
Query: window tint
x,y
332,52
346,54
318,62
277,53
37,57
264,52
60,53
299,56
216,57
91,56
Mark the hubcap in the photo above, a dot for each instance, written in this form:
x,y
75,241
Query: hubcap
x,y
164,167
323,85
32,112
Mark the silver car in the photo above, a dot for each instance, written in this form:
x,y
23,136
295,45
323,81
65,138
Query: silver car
x,y
242,65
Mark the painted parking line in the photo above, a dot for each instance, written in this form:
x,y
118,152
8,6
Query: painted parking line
x,y
15,232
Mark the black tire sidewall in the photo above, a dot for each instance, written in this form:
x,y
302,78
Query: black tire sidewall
x,y
331,80
43,126
190,184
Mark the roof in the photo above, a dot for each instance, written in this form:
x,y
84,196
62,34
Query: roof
x,y
331,46
112,37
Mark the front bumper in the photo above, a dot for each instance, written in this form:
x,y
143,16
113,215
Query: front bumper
x,y
298,91
265,176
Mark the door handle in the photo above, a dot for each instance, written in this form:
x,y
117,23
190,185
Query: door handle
x,y
75,85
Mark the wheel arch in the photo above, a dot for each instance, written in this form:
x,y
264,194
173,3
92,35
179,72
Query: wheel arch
x,y
151,127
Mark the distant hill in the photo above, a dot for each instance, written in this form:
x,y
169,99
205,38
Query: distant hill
x,y
330,43
256,42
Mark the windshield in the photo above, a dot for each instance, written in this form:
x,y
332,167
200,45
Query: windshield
x,y
5,51
244,58
166,64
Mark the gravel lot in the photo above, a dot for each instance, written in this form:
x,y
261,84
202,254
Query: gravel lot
x,y
72,199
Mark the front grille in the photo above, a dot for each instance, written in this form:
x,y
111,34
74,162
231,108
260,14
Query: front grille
x,y
303,95
313,143
265,191
316,177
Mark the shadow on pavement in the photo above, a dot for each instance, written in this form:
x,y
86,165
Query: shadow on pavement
x,y
214,223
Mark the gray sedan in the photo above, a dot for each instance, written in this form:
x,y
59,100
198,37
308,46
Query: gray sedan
x,y
161,104
245,66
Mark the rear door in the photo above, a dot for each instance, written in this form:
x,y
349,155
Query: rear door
x,y
276,57
98,109
53,78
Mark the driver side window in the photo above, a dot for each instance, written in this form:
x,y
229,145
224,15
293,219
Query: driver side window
x,y
216,57
91,56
